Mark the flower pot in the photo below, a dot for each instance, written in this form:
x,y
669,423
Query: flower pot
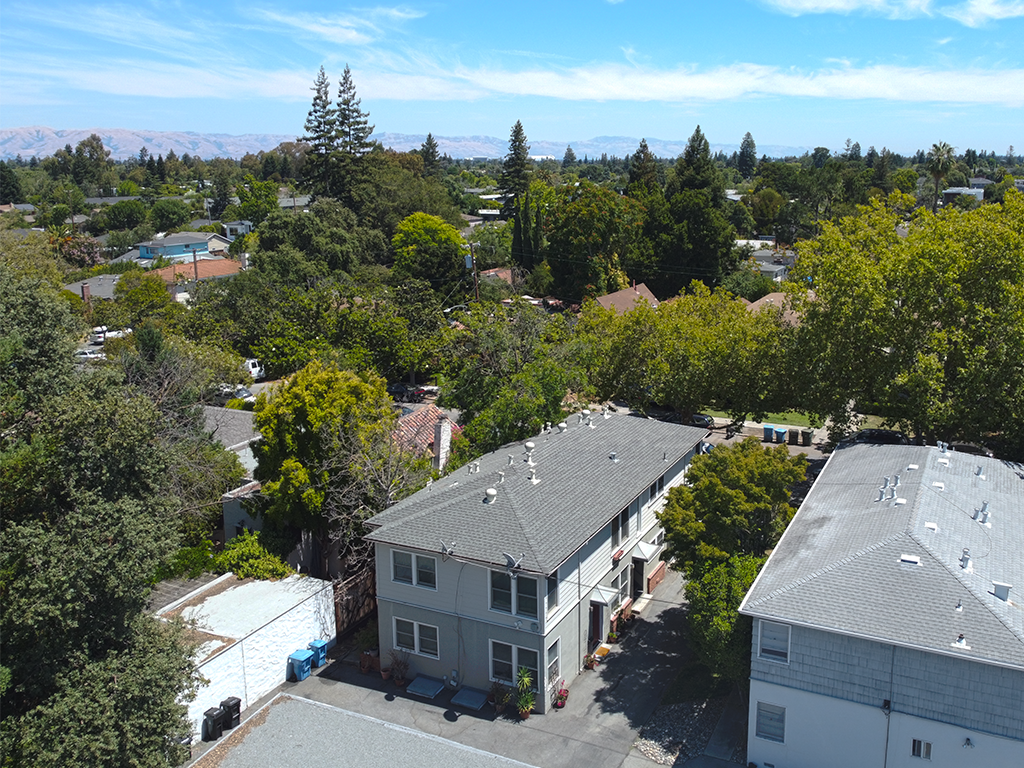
x,y
385,673
524,714
401,682
559,704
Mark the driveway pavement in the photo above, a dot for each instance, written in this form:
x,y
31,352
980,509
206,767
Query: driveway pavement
x,y
597,728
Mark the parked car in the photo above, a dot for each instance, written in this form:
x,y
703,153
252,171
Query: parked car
x,y
85,355
98,334
701,420
878,437
253,367
226,392
405,393
972,448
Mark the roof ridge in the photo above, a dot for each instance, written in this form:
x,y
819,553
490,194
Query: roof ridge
x,y
831,567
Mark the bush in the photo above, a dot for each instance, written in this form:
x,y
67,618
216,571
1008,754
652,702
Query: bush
x,y
247,558
188,562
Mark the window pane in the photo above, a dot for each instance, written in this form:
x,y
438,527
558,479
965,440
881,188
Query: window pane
x,y
771,722
501,592
552,592
528,658
616,535
501,662
554,671
404,637
526,596
403,567
428,640
624,515
425,575
774,640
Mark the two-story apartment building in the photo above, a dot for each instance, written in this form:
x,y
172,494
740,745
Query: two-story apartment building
x,y
522,558
886,629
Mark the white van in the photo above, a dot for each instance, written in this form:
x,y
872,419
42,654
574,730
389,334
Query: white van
x,y
98,334
253,368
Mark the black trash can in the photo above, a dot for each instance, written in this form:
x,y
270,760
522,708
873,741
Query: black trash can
x,y
213,724
232,707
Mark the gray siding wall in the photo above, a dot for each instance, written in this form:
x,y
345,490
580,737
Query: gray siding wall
x,y
949,690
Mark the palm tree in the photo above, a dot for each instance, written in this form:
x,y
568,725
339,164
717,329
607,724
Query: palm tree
x,y
940,162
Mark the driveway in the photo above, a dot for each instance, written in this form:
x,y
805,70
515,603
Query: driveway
x,y
597,727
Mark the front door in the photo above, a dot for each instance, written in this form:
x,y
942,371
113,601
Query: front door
x,y
638,578
596,626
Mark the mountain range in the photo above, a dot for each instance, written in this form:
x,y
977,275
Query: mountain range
x,y
123,143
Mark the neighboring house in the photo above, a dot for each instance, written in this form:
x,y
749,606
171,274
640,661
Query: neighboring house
x,y
428,430
98,287
523,558
182,246
498,273
181,278
235,229
780,301
980,182
236,431
624,300
773,264
952,193
885,628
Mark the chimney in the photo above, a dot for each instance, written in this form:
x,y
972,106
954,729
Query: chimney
x,y
442,443
86,293
491,495
965,559
1002,591
245,260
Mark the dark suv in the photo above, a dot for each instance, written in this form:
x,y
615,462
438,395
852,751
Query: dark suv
x,y
878,437
404,393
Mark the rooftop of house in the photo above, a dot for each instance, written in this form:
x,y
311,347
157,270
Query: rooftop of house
x,y
416,429
208,269
100,286
576,488
919,567
180,238
623,301
779,300
231,427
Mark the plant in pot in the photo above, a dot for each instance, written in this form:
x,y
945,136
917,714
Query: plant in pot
x,y
590,661
501,699
613,637
561,695
525,698
496,688
399,667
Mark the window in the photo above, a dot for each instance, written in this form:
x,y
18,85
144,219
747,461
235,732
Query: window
x,y
416,638
419,570
552,591
621,586
620,528
774,641
518,596
554,668
507,659
922,749
771,722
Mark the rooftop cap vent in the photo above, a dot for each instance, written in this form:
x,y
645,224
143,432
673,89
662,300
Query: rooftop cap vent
x,y
965,559
614,456
1002,590
984,514
562,426
533,476
910,559
491,495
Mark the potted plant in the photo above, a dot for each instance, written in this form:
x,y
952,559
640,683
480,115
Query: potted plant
x,y
399,667
590,661
561,695
501,699
385,673
496,688
525,699
613,637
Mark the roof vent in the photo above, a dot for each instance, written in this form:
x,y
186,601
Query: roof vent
x,y
885,482
939,486
896,482
1002,590
881,494
664,455
932,526
984,514
501,478
492,494
892,492
965,559
911,467
614,457
529,453
959,606
910,559
511,459
562,426
533,476
606,413
961,642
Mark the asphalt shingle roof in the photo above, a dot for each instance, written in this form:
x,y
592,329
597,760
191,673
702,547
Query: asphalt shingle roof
x,y
840,566
579,489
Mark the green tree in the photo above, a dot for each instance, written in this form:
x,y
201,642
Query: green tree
x,y
746,163
428,248
719,635
515,172
940,162
431,159
256,199
736,502
695,170
643,171
126,214
352,132
167,214
569,158
10,185
320,134
305,423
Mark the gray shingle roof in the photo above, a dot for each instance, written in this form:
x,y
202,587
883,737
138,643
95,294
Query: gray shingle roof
x,y
839,565
229,426
578,490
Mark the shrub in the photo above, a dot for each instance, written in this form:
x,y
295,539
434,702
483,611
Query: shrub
x,y
247,558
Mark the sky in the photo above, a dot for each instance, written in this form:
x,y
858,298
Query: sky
x,y
903,74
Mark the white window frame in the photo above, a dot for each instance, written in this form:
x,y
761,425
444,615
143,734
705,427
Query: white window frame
x,y
620,529
554,675
514,590
417,628
772,654
764,733
921,748
551,593
415,566
516,664
622,584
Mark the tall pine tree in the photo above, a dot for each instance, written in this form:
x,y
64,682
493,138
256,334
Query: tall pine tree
x,y
352,132
320,132
643,170
431,161
515,184
747,162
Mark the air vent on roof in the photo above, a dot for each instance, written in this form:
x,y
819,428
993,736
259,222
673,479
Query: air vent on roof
x,y
491,495
533,476
562,426
511,459
900,502
959,606
939,486
614,457
501,478
932,526
885,481
961,642
912,467
896,482
881,494
980,472
984,516
965,560
910,559
1002,590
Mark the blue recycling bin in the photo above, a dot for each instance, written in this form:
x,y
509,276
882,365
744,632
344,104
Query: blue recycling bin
x,y
780,434
319,649
769,432
299,665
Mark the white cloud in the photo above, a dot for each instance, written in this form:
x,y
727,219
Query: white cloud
x,y
976,13
893,9
346,31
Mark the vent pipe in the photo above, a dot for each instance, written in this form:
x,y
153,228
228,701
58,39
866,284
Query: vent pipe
x,y
983,518
533,476
965,559
614,457
979,470
501,478
881,494
1002,590
885,482
511,459
892,492
896,482
529,453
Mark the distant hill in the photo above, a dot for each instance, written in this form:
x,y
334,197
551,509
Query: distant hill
x,y
123,143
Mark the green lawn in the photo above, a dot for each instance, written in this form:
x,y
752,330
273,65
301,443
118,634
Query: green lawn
x,y
790,418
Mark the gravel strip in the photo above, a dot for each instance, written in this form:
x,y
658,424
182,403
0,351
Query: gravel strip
x,y
678,732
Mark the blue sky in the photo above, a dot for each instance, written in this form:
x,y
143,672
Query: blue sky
x,y
897,73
